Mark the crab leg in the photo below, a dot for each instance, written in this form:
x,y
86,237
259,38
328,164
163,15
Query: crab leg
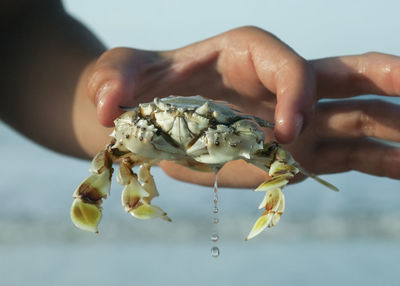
x,y
274,200
139,191
282,169
88,197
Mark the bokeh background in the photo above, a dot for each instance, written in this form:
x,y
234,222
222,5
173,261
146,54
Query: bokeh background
x,y
324,238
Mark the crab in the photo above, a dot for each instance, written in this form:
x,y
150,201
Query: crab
x,y
198,133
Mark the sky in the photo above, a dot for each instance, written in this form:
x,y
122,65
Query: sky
x,y
313,28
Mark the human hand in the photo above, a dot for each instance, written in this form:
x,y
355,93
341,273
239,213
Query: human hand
x,y
334,141
246,66
342,133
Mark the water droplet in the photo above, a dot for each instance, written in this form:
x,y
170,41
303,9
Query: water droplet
x,y
215,252
214,237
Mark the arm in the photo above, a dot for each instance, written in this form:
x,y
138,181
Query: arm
x,y
46,53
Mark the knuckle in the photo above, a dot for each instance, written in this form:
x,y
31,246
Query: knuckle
x,y
254,29
302,65
247,29
372,54
111,53
249,32
366,123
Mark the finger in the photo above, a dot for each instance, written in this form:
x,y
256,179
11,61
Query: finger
x,y
263,67
119,78
284,72
346,76
111,84
358,118
295,92
364,155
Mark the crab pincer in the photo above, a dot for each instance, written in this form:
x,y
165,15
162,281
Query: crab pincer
x,y
139,191
88,197
282,169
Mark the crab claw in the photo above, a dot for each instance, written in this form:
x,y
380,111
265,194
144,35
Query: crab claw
x,y
280,174
88,197
274,200
132,194
85,216
145,211
147,182
274,204
137,195
135,201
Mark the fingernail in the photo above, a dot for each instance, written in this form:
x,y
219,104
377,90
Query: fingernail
x,y
298,124
100,96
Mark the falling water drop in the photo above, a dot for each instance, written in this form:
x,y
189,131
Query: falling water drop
x,y
215,252
215,210
214,237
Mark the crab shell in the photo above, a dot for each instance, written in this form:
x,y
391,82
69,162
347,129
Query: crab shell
x,y
187,130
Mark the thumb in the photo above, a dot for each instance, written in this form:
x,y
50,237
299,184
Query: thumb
x,y
113,81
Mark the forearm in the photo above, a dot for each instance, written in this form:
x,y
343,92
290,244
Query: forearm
x,y
45,52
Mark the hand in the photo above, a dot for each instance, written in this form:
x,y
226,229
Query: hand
x,y
333,141
341,136
247,66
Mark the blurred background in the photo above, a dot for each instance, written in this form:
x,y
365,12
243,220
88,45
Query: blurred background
x,y
325,238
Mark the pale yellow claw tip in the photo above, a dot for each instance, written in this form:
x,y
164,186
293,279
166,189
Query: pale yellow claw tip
x,y
273,183
274,204
261,223
149,212
85,216
279,167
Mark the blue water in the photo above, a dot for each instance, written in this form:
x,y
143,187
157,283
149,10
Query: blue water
x,y
301,263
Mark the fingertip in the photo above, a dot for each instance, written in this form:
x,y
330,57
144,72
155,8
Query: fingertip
x,y
110,85
281,132
108,101
288,128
